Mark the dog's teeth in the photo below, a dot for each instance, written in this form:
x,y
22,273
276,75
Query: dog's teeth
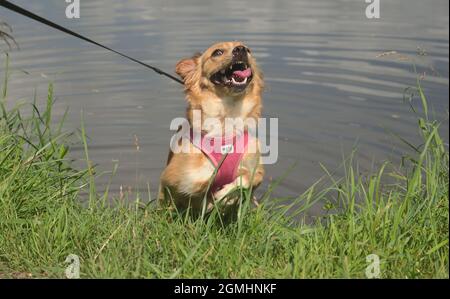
x,y
239,83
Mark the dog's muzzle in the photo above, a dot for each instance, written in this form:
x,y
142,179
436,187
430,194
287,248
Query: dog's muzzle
x,y
238,74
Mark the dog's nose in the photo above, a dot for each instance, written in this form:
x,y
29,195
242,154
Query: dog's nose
x,y
240,52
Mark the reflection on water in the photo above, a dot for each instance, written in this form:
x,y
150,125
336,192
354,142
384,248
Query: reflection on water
x,y
326,82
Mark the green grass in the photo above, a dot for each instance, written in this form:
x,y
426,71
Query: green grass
x,y
405,222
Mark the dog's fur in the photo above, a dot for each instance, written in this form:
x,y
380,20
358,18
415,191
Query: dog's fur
x,y
185,179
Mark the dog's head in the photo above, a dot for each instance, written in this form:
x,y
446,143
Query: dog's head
x,y
225,69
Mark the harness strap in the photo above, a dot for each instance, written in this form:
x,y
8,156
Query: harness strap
x,y
215,148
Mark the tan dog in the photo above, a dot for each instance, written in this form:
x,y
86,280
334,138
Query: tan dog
x,y
223,82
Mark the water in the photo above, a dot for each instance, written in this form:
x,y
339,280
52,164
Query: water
x,y
325,81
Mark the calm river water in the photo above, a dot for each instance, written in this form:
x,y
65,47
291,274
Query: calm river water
x,y
326,82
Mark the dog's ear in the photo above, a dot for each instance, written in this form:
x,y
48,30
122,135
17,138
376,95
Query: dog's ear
x,y
186,67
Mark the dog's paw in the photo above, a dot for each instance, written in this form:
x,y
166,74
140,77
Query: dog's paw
x,y
224,192
229,196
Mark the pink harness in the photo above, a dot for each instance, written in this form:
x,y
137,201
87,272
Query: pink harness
x,y
215,148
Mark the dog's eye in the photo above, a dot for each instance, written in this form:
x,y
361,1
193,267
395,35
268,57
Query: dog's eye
x,y
217,52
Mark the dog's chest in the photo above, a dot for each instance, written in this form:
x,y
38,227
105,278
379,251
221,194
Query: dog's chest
x,y
227,107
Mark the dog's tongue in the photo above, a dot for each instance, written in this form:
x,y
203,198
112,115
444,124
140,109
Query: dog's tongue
x,y
243,74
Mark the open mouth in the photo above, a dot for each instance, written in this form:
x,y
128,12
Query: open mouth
x,y
237,75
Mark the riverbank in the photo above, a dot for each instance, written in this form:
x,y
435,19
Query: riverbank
x,y
403,224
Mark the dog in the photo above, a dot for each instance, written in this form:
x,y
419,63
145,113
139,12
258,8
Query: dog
x,y
223,82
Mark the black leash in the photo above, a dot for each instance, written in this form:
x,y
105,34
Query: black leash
x,y
26,13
